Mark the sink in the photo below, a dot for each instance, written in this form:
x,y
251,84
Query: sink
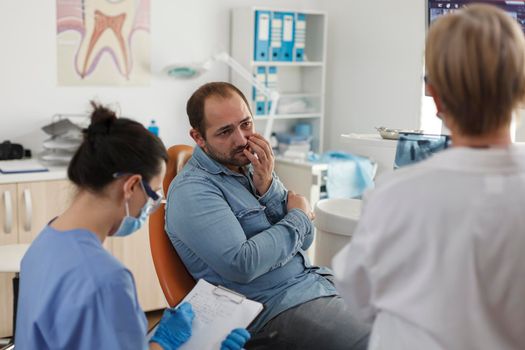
x,y
338,215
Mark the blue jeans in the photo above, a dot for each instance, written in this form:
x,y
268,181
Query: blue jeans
x,y
323,323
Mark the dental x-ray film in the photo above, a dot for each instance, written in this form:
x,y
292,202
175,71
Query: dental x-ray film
x,y
412,148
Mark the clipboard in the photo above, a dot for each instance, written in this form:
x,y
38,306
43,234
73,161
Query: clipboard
x,y
218,311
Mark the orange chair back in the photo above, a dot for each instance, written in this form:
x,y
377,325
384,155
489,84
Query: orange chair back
x,y
175,280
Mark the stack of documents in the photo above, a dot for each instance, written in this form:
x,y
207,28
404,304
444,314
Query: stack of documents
x,y
294,105
21,166
293,146
299,152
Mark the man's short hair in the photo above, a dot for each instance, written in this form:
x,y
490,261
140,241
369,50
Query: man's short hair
x,y
195,105
475,61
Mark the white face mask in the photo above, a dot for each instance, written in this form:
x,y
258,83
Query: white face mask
x,y
130,224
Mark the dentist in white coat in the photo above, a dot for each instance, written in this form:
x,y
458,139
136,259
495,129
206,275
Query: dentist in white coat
x,y
438,258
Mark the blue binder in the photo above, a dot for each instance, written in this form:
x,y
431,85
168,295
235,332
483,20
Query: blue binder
x,y
288,36
271,83
276,41
258,98
262,36
300,36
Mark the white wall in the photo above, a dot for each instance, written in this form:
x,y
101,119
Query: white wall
x,y
374,65
181,31
375,60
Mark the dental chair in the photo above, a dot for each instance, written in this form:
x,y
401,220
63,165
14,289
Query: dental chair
x,y
175,280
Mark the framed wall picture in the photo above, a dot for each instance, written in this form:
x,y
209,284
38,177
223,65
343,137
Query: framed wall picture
x,y
103,42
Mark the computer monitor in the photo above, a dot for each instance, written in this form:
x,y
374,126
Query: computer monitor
x,y
437,8
412,148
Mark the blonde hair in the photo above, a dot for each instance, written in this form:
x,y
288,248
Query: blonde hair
x,y
475,60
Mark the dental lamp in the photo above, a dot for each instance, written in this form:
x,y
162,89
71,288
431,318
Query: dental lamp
x,y
194,70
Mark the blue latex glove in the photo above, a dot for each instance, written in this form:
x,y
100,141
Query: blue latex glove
x,y
174,327
236,339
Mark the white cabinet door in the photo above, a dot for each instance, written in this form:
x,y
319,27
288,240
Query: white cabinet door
x,y
305,179
302,178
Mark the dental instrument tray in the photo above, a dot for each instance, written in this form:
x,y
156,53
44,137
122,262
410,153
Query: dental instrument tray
x,y
393,134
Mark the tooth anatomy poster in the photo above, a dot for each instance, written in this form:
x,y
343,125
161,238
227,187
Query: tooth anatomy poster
x,y
103,42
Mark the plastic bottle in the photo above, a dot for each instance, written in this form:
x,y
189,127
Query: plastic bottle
x,y
274,143
153,128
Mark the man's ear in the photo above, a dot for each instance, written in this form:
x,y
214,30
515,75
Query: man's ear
x,y
130,185
197,137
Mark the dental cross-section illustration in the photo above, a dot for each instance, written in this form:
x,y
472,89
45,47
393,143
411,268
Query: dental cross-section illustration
x,y
103,42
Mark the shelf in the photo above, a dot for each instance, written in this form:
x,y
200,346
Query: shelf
x,y
288,116
287,64
298,82
285,95
307,12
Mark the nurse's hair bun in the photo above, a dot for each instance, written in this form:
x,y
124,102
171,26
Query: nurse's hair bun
x,y
115,145
102,118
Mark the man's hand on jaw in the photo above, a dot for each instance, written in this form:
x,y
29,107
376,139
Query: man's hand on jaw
x,y
260,154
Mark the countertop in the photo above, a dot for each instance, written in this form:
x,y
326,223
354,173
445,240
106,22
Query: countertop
x,y
53,173
301,163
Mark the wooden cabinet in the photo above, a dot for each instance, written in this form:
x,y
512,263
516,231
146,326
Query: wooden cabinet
x,y
26,207
8,215
38,203
134,251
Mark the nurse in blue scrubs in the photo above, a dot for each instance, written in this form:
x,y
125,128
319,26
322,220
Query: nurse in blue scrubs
x,y
73,293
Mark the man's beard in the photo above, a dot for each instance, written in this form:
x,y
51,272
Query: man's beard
x,y
235,158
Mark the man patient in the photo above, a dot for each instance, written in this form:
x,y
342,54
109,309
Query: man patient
x,y
234,224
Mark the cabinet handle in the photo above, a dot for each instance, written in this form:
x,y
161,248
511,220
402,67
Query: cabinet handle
x,y
8,223
29,210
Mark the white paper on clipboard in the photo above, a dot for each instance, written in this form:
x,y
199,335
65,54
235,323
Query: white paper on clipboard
x,y
217,312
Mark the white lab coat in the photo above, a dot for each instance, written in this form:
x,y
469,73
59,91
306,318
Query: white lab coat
x,y
438,258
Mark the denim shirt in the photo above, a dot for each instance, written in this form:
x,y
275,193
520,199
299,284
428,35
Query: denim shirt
x,y
228,235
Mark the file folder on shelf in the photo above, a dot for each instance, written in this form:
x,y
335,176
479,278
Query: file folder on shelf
x,y
258,98
300,37
276,36
288,36
271,83
262,36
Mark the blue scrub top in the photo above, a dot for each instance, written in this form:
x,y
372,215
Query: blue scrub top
x,y
75,295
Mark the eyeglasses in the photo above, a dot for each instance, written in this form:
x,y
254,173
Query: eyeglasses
x,y
155,198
